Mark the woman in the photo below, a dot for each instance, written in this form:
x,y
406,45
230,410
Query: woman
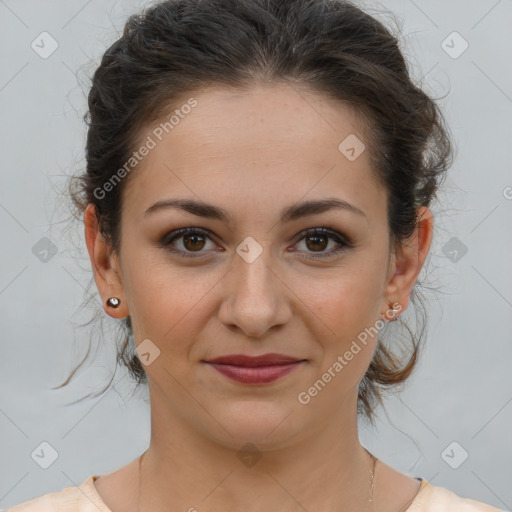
x,y
256,207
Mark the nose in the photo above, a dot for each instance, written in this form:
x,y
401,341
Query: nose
x,y
255,297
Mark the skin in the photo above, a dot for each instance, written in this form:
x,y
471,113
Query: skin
x,y
253,153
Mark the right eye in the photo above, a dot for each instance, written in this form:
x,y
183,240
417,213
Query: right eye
x,y
191,239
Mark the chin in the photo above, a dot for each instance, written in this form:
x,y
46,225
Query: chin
x,y
268,425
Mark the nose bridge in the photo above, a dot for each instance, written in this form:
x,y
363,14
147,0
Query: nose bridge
x,y
254,281
254,301
254,271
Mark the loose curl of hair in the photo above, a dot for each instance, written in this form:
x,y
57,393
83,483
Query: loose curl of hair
x,y
177,47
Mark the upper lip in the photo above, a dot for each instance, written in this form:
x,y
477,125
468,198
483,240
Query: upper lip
x,y
263,360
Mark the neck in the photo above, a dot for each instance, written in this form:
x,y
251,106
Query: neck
x,y
184,469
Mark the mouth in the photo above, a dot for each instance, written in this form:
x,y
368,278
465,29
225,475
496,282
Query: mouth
x,y
263,360
255,370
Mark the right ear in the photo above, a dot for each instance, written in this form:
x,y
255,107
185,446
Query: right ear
x,y
104,263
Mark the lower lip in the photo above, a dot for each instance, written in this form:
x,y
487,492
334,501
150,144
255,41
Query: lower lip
x,y
255,374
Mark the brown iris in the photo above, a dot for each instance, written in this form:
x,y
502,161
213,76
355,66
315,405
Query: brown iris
x,y
195,243
316,237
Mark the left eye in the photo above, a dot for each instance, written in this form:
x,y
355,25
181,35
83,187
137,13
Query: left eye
x,y
318,236
193,241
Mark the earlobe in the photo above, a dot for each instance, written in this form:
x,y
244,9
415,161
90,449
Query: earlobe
x,y
393,313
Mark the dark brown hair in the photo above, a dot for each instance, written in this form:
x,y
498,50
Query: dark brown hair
x,y
176,47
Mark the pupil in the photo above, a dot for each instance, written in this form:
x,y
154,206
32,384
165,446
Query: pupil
x,y
187,239
317,237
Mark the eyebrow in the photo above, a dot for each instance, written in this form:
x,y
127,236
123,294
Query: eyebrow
x,y
293,212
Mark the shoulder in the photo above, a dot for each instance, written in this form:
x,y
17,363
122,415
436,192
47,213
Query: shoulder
x,y
80,498
438,499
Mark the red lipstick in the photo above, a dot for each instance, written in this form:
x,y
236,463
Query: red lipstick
x,y
255,370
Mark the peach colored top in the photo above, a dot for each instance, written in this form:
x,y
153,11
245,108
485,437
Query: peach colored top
x,y
85,498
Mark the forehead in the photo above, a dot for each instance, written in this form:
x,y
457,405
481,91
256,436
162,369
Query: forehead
x,y
270,143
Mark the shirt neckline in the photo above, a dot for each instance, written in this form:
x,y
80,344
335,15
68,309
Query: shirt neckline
x,y
419,499
89,489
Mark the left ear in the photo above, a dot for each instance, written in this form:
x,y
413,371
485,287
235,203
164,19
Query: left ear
x,y
407,262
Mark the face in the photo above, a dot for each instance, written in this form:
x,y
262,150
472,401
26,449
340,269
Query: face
x,y
255,272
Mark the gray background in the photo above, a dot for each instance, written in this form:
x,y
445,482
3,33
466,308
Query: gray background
x,y
462,390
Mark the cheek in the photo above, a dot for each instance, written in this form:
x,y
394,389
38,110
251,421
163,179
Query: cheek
x,y
166,305
346,329
347,318
349,301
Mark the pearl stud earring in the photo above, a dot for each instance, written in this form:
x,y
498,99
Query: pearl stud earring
x,y
113,302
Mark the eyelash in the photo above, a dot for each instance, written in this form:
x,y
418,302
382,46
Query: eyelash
x,y
171,237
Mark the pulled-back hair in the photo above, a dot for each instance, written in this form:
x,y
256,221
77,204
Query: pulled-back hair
x,y
177,47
